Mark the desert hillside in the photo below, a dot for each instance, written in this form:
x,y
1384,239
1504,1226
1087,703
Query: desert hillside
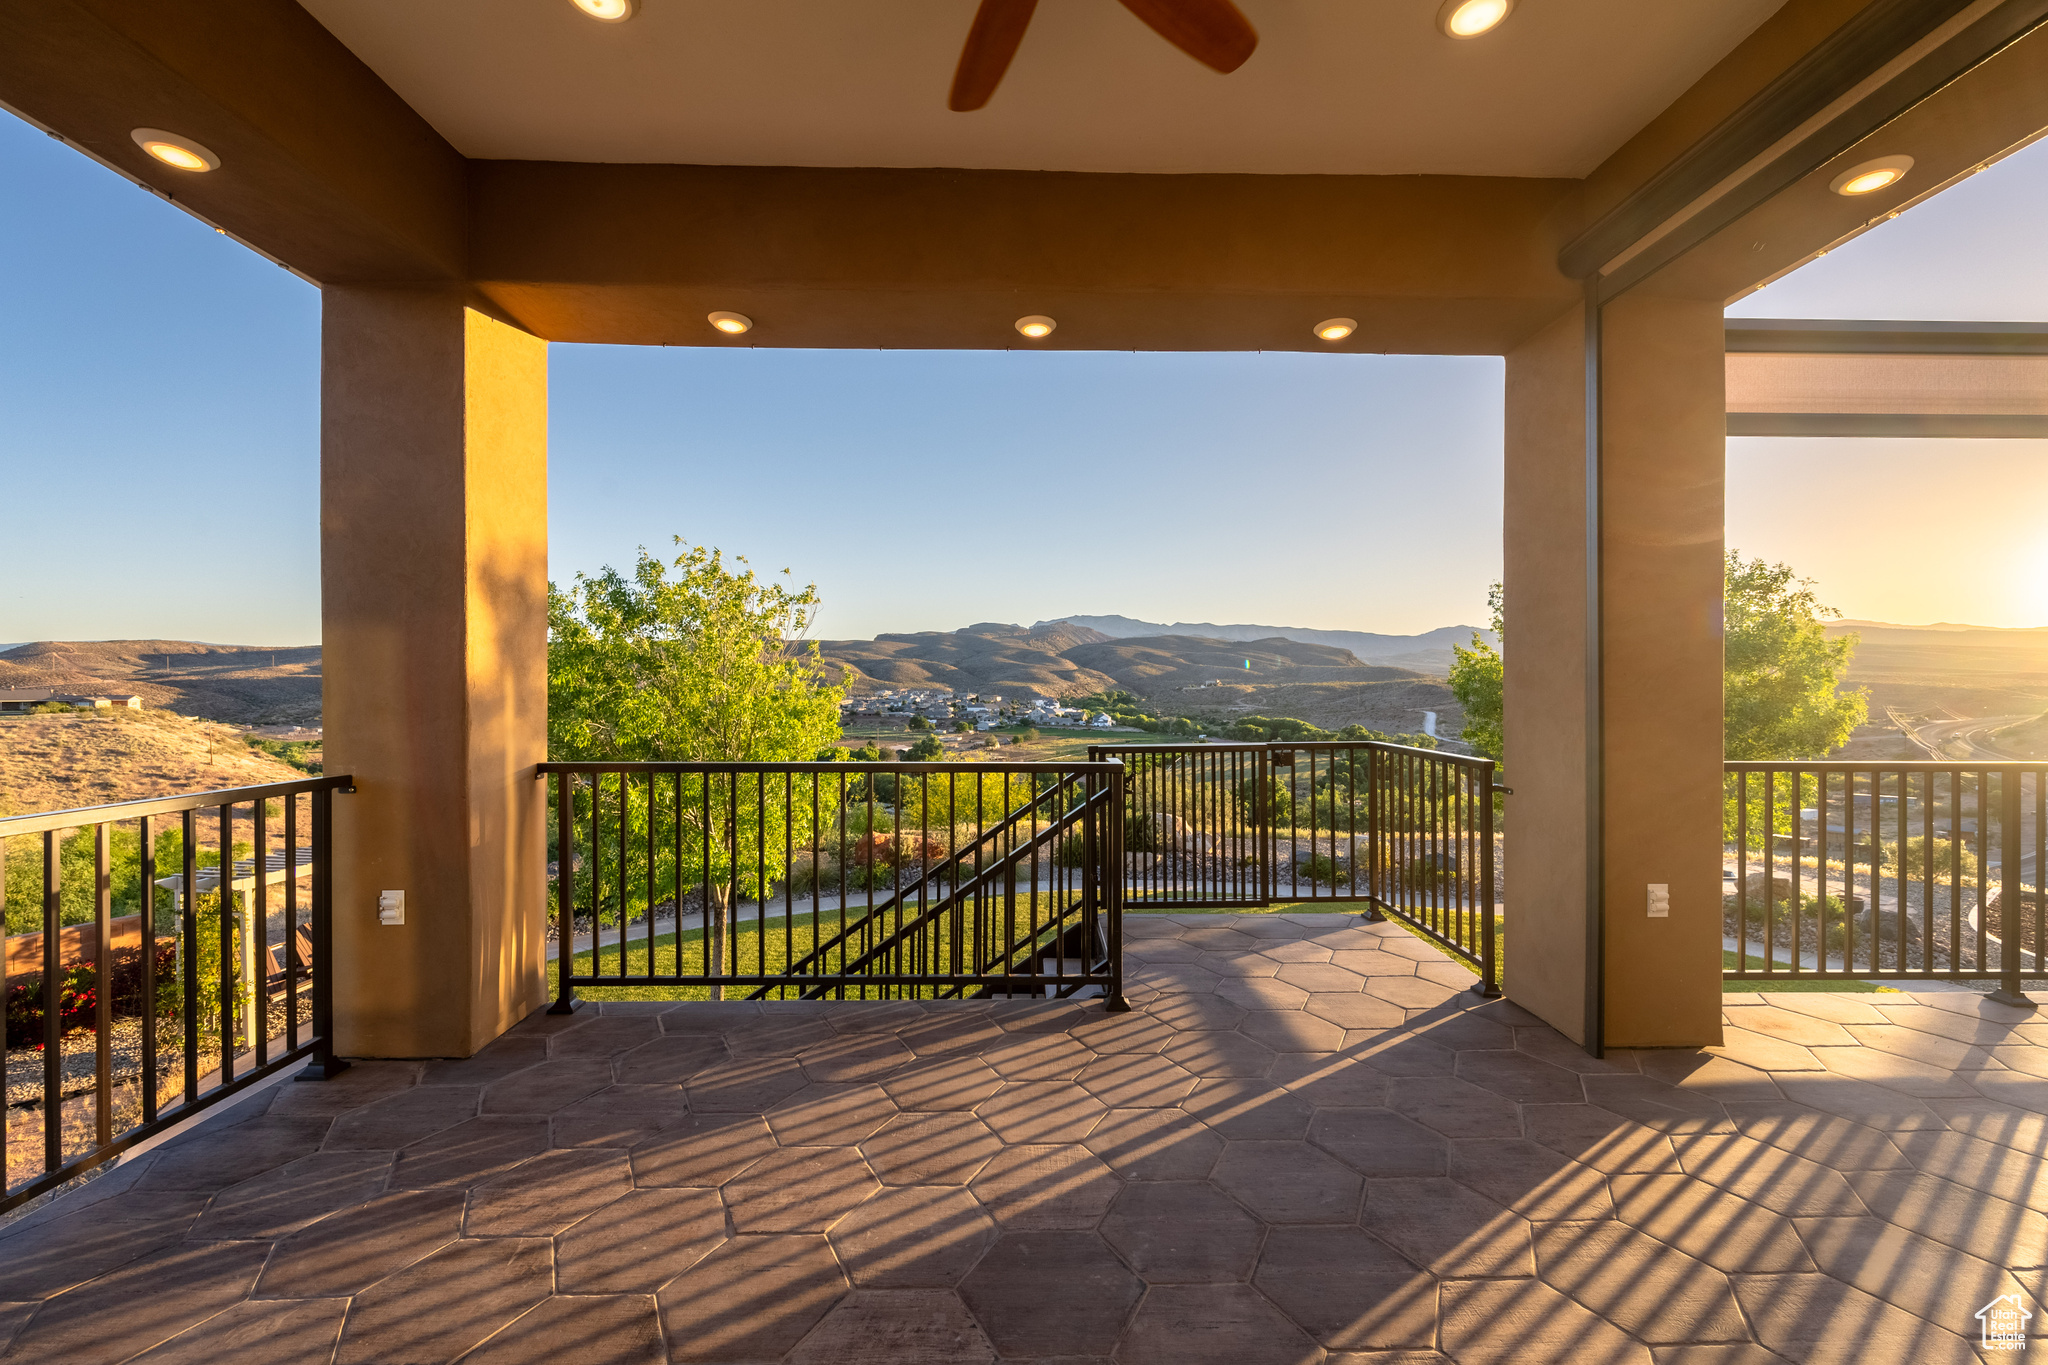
x,y
246,684
59,762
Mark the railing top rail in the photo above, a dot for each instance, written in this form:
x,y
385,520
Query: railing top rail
x,y
1178,747
1910,765
997,766
40,821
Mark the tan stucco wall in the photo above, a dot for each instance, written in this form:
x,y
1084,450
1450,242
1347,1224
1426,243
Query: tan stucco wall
x,y
433,582
1544,555
1663,452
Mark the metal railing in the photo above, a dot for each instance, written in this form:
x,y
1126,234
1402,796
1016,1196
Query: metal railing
x,y
1909,871
209,999
1409,832
837,880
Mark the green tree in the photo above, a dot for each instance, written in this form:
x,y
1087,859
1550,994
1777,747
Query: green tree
x,y
688,661
1781,672
1478,675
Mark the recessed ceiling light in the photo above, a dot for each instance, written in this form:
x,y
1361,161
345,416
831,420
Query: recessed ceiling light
x,y
606,11
1336,329
1470,18
173,150
1036,326
1872,176
732,324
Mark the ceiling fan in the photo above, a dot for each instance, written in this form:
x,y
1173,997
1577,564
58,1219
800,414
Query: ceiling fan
x,y
1213,32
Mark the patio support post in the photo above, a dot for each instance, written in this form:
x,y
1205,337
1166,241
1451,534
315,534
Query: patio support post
x,y
434,608
1613,700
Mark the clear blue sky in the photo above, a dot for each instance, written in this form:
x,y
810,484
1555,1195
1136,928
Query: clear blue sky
x,y
159,446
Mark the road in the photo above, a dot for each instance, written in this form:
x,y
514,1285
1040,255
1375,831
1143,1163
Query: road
x,y
1964,737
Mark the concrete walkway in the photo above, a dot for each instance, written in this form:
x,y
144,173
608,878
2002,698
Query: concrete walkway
x,y
1307,1144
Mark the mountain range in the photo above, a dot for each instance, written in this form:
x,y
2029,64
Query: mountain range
x,y
1429,652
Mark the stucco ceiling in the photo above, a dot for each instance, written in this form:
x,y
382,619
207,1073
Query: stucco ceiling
x,y
1359,87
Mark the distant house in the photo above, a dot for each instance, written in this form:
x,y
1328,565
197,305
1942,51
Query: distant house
x,y
1103,721
16,700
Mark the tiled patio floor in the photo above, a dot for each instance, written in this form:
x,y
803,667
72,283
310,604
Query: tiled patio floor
x,y
1307,1143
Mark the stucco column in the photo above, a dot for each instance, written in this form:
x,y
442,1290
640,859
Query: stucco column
x,y
433,525
1602,963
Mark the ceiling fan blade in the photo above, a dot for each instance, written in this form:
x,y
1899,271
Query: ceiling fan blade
x,y
998,27
1213,32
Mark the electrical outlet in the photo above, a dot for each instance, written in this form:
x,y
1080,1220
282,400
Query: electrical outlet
x,y
1660,900
390,907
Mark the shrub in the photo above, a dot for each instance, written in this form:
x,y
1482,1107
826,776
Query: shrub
x,y
1322,868
78,995
926,750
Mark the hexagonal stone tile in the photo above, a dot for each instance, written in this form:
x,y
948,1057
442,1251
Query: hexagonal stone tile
x,y
1181,1232
1256,993
1790,1027
1453,1107
853,1057
948,1035
1155,1144
668,1060
1656,1104
1379,1142
1372,962
639,1242
1292,1031
1778,1179
1844,1145
1329,1079
281,1201
352,1250
1519,1076
777,1035
1447,1228
1037,1057
913,1237
618,1116
279,1329
1025,1272
1398,1053
1708,1224
1045,1187
1807,1318
1219,1053
1295,951
1130,1031
798,1189
494,1279
930,1149
1041,1016
1042,1111
1139,925
1356,1011
1410,992
1138,1080
493,1062
1248,1108
604,1035
1219,939
1638,1283
1191,1013
1508,1321
1173,978
402,1119
709,1016
469,1153
822,1115
745,1085
1533,1180
942,1083
704,1149
1215,1322
1600,1138
870,1016
1228,965
541,1197
1322,978
549,1086
1289,1182
754,1298
886,1326
620,1328
1351,1291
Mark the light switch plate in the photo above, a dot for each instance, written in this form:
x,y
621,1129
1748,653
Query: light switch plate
x,y
390,907
1660,900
